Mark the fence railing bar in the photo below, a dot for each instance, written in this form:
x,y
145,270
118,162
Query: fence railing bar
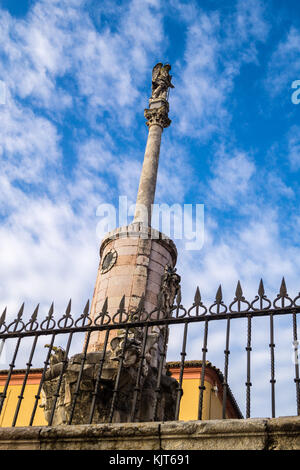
x,y
183,354
117,381
21,396
296,360
56,394
38,394
225,375
272,353
203,366
163,354
77,387
96,389
248,383
153,322
137,389
11,368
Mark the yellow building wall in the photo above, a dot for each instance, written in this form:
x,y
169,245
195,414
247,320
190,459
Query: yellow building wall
x,y
10,405
212,404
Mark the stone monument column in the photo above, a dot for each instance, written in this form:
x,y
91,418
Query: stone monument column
x,y
136,262
134,258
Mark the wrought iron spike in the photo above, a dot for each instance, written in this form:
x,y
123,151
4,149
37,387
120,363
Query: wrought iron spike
x,y
141,304
2,319
18,323
122,303
84,316
219,305
239,291
197,305
262,301
20,312
219,295
283,296
34,315
86,308
32,325
239,300
51,310
197,298
105,305
121,316
68,309
100,319
49,320
261,289
283,289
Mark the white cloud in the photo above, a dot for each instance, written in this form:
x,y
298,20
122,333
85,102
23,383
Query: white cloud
x,y
251,22
214,54
48,235
294,147
59,38
278,187
284,65
38,254
231,180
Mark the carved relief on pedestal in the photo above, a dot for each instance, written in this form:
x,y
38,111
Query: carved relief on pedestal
x,y
66,373
170,288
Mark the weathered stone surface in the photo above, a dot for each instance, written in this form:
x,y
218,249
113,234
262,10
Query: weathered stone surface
x,y
233,434
101,437
20,438
131,275
76,378
215,435
284,433
161,82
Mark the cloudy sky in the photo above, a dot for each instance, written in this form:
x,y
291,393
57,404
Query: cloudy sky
x,y
75,79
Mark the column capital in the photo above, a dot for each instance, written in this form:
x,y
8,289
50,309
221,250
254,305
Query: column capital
x,y
158,116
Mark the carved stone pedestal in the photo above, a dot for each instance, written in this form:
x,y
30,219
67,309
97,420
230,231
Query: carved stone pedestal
x,y
165,399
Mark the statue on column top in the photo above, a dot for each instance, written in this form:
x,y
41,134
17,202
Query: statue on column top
x,y
161,81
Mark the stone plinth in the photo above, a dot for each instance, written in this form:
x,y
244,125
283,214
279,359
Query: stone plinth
x,y
139,256
104,385
247,434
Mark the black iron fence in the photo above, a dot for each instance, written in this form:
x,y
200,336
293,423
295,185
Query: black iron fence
x,y
133,330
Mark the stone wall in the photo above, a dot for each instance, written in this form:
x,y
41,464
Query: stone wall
x,y
248,434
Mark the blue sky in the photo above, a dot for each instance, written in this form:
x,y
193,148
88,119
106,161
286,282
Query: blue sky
x,y
78,75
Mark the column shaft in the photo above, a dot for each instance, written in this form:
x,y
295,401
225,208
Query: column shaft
x,y
146,191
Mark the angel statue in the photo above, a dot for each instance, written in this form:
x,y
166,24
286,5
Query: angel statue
x,y
170,287
161,81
